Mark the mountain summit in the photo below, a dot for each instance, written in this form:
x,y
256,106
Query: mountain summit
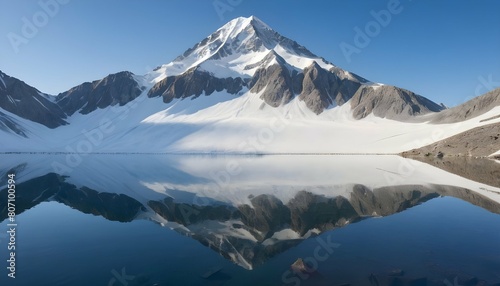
x,y
247,54
239,48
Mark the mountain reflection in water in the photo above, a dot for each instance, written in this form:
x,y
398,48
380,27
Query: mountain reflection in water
x,y
247,209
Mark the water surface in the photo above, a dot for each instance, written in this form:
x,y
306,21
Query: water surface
x,y
173,220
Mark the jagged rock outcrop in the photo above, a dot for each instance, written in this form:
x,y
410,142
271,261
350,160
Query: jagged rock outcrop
x,y
276,84
27,102
119,88
193,83
390,102
316,88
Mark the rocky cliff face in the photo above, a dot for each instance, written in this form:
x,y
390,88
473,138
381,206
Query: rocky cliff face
x,y
119,88
27,102
276,85
318,88
390,102
194,83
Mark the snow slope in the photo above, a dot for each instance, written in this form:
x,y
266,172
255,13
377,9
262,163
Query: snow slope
x,y
226,123
246,125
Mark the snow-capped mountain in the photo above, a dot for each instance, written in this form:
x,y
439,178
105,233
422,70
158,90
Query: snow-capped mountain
x,y
246,54
238,49
119,88
244,81
18,98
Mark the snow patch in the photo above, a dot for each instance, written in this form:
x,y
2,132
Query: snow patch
x,y
40,103
11,99
373,85
3,82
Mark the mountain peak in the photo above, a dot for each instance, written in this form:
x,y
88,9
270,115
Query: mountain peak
x,y
254,23
241,35
246,22
242,42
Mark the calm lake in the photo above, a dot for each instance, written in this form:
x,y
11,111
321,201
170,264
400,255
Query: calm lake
x,y
244,220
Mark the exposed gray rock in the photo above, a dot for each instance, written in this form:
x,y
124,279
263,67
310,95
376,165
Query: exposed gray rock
x,y
119,88
27,102
477,142
297,80
390,102
469,109
193,83
276,84
316,88
321,89
345,91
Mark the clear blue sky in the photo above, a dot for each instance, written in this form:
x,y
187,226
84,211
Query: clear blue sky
x,y
443,50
